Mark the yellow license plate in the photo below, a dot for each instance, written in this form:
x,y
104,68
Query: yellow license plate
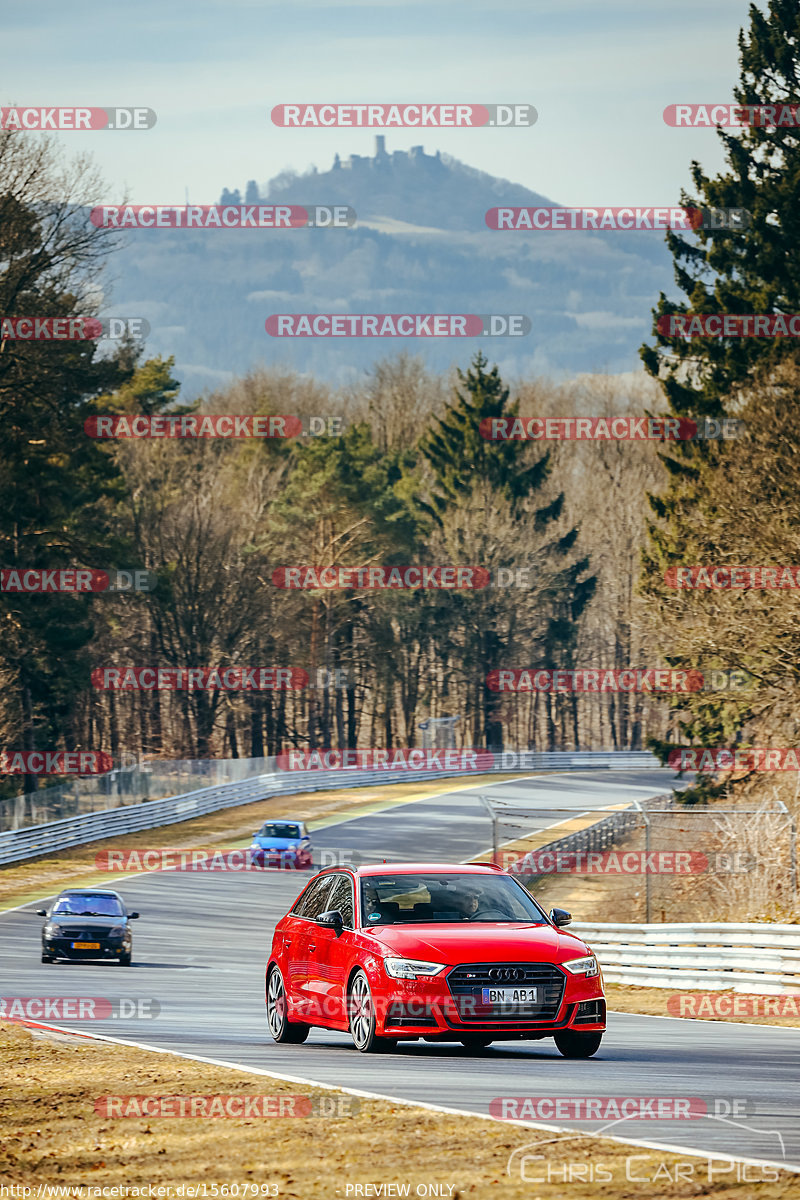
x,y
85,945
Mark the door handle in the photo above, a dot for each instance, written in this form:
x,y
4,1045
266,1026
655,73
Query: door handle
x,y
287,941
312,947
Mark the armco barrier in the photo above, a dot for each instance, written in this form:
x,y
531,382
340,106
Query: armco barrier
x,y
596,837
713,956
34,840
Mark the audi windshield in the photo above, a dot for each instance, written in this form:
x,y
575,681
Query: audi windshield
x,y
446,898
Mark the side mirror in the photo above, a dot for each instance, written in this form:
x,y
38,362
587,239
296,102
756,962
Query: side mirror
x,y
133,916
41,912
560,917
332,919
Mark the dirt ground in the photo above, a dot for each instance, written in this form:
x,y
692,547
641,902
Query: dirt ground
x,y
52,1135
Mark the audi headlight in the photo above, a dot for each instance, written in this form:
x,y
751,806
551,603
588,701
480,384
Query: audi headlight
x,y
582,966
411,968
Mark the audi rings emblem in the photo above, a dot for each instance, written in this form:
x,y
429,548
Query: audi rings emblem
x,y
506,974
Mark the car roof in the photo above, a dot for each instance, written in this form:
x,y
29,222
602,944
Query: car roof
x,y
426,868
84,891
283,820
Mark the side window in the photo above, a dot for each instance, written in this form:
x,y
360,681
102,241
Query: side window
x,y
342,898
312,902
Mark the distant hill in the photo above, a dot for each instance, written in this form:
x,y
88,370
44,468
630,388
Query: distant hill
x,y
420,245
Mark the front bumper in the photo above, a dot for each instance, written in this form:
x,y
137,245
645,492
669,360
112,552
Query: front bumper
x,y
61,947
428,1008
287,860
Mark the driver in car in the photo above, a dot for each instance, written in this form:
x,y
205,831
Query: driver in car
x,y
467,904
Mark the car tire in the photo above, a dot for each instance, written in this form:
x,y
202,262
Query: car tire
x,y
281,1029
47,958
125,959
476,1041
361,1016
577,1045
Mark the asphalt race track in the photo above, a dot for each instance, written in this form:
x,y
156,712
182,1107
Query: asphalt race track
x,y
202,942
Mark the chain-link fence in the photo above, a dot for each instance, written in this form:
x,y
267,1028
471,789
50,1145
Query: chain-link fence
x,y
654,861
131,783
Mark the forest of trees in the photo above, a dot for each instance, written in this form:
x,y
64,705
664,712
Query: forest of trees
x,y
409,481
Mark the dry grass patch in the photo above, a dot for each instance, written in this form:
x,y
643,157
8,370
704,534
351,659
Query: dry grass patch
x,y
50,1133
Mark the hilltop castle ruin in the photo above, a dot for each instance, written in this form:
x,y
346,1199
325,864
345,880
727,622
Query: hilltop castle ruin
x,y
400,160
416,156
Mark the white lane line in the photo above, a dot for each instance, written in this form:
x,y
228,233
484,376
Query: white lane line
x,y
439,1108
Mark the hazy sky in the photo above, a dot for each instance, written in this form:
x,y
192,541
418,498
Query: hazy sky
x,y
599,75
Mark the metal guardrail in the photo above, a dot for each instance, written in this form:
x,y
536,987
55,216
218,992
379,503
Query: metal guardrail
x,y
34,840
598,836
713,956
154,779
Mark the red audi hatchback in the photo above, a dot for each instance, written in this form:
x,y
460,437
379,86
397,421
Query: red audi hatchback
x,y
444,953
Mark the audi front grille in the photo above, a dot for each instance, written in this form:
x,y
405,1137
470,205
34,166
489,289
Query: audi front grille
x,y
466,983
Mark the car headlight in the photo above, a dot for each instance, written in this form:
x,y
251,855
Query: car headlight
x,y
117,931
255,846
582,966
293,846
52,930
410,968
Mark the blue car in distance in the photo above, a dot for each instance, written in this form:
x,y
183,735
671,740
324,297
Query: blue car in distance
x,y
282,843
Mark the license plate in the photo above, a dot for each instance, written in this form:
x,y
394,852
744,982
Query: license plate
x,y
85,945
509,996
